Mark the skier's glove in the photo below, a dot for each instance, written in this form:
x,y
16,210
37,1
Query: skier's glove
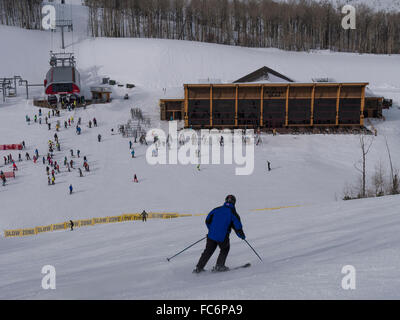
x,y
241,234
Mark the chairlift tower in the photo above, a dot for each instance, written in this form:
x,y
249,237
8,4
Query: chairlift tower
x,y
63,77
62,24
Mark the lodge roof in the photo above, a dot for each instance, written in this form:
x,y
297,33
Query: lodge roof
x,y
264,74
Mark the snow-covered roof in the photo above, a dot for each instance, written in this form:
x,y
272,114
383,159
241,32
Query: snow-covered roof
x,y
264,75
370,94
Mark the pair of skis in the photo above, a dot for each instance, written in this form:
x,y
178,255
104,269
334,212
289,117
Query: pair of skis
x,y
246,265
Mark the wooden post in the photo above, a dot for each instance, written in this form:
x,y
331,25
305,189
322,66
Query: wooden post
x,y
287,107
262,105
236,105
186,107
338,103
362,105
312,106
211,105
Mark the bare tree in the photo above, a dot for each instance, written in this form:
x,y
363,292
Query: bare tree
x,y
378,180
365,145
394,174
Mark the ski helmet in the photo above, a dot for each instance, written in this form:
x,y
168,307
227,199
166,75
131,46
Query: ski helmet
x,y
230,199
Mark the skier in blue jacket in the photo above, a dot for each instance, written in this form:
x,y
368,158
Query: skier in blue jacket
x,y
219,222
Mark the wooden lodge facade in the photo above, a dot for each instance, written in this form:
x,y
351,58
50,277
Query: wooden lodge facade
x,y
267,99
268,105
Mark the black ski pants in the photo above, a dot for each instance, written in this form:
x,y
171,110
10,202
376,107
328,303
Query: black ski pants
x,y
211,245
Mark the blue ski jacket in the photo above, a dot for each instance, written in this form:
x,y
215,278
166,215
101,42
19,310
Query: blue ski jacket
x,y
221,220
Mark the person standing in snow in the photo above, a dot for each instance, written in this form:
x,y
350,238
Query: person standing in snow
x,y
219,222
86,166
133,153
99,137
144,216
70,189
135,179
71,224
3,178
269,165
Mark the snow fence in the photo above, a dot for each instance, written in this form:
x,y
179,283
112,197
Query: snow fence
x,y
111,219
90,222
15,146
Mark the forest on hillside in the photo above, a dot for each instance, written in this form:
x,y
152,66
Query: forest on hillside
x,y
298,25
21,13
294,25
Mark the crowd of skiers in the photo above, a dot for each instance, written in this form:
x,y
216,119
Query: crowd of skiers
x,y
52,167
8,159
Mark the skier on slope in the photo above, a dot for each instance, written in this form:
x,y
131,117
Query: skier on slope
x,y
219,222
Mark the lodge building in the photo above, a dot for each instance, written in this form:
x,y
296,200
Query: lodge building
x,y
267,99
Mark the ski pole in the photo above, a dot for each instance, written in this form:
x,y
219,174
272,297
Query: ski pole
x,y
187,248
253,249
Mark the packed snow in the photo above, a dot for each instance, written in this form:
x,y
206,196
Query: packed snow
x,y
303,248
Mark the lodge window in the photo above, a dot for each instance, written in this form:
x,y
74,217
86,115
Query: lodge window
x,y
324,111
299,111
199,112
274,113
223,112
249,112
349,111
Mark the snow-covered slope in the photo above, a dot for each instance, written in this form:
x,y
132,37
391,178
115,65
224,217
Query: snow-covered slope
x,y
303,252
303,248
